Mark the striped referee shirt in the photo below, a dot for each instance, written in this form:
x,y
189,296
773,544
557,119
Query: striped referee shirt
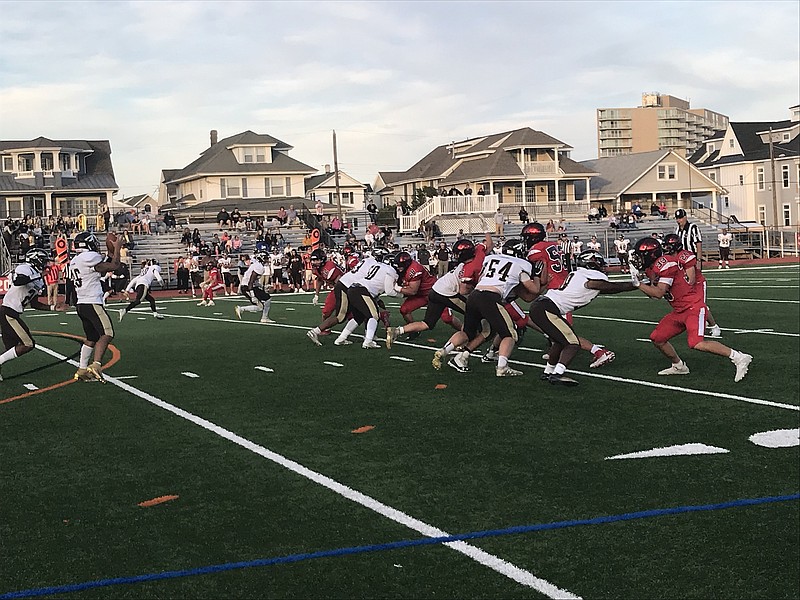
x,y
690,236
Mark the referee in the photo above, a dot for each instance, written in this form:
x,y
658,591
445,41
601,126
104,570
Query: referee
x,y
690,236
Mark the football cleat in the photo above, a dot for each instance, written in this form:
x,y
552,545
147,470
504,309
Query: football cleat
x,y
679,369
715,332
266,320
390,333
742,362
460,362
310,334
411,336
340,342
545,376
602,357
158,316
95,372
438,356
562,380
210,303
238,312
507,372
368,345
490,356
121,314
82,374
201,303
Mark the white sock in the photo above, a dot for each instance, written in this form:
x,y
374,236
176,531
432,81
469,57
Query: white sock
x,y
595,348
8,355
265,310
86,354
549,369
372,326
317,330
502,361
560,369
448,348
401,330
348,329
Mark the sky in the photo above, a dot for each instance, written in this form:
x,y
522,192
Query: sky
x,y
393,79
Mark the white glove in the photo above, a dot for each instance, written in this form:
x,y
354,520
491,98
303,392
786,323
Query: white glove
x,y
398,288
635,277
316,300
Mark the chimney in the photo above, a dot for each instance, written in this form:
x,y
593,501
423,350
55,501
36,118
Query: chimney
x,y
327,169
213,136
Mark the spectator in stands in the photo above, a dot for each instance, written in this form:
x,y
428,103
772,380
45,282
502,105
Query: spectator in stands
x,y
248,221
594,214
550,227
562,225
106,217
612,222
468,190
291,215
653,209
223,218
636,211
197,239
236,217
461,235
336,224
170,221
186,237
662,210
282,215
523,216
225,238
499,222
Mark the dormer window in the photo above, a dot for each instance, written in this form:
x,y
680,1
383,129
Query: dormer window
x,y
254,154
8,164
711,148
47,161
66,162
25,162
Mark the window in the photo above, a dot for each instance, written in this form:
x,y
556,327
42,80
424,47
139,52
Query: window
x,y
66,162
667,172
741,179
25,162
244,187
760,178
288,186
786,138
785,176
8,164
762,214
272,188
787,215
711,148
248,155
726,202
47,161
730,142
260,155
712,176
232,189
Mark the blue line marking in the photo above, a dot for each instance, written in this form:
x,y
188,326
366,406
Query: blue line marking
x,y
292,558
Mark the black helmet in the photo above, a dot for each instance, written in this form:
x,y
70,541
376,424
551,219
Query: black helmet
x,y
37,258
672,243
85,240
645,252
515,247
318,255
463,250
591,260
401,261
533,233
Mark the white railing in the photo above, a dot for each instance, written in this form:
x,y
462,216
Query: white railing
x,y
449,205
534,169
47,173
23,174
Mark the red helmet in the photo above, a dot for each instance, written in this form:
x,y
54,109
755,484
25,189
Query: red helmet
x,y
463,250
533,233
352,259
645,252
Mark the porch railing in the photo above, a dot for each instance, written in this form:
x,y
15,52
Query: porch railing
x,y
448,205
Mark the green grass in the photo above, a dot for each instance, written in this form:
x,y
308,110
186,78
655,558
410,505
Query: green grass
x,y
483,453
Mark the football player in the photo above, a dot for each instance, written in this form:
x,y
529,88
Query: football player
x,y
549,311
688,262
214,283
362,298
688,308
448,293
500,275
415,282
250,287
85,271
142,285
554,273
27,283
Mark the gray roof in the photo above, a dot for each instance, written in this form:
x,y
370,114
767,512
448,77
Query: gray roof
x,y
617,173
218,159
99,173
747,134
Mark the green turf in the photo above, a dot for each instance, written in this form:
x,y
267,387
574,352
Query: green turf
x,y
482,453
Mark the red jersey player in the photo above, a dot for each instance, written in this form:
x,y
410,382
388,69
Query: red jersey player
x,y
326,272
215,283
668,280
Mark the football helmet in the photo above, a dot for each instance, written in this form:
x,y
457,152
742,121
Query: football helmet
x,y
401,261
533,233
463,250
261,256
347,250
85,240
37,258
515,247
380,254
672,243
645,252
318,256
591,260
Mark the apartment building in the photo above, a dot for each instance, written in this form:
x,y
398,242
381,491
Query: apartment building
x,y
662,122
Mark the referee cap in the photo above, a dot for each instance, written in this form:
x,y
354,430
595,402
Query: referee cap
x,y
680,213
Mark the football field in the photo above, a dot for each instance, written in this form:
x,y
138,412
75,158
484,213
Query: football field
x,y
227,458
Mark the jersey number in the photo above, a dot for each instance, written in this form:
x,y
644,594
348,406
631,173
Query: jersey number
x,y
75,276
491,268
556,255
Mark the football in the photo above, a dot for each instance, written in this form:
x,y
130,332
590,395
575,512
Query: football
x,y
111,240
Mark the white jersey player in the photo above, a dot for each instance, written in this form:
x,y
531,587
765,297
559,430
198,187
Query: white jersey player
x,y
250,287
141,284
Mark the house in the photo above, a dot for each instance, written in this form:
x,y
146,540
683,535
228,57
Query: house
x,y
251,171
383,187
142,203
43,177
758,163
323,188
648,178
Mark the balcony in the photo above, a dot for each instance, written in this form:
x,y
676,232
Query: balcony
x,y
534,170
24,174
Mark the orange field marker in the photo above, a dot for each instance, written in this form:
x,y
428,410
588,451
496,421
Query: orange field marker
x,y
159,500
441,386
363,429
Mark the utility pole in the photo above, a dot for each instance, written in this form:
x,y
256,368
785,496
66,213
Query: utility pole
x,y
336,177
772,178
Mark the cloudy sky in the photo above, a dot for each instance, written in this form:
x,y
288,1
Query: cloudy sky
x,y
394,79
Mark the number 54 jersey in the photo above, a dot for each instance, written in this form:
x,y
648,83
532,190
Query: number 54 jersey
x,y
504,273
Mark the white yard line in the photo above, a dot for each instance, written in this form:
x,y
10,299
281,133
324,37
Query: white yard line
x,y
495,563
